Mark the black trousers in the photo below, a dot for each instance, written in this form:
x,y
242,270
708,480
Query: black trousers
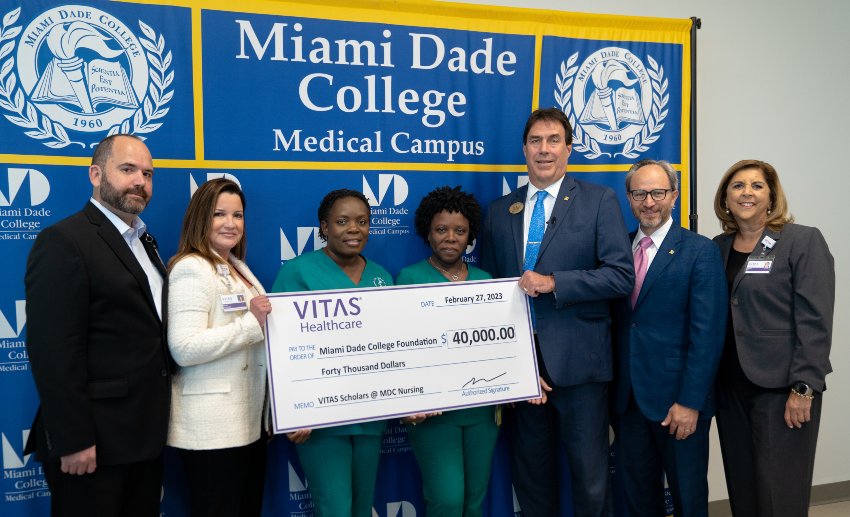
x,y
226,482
768,466
130,490
577,417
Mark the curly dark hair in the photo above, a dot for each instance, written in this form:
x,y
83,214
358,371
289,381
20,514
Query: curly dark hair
x,y
332,197
449,200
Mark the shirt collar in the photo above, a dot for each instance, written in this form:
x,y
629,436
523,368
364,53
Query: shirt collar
x,y
138,226
552,190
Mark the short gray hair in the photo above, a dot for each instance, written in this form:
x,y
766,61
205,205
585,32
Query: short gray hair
x,y
664,164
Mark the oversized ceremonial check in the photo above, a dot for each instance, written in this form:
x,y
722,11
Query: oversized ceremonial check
x,y
344,356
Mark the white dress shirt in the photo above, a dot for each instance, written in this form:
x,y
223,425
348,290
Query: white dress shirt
x,y
548,205
132,236
657,238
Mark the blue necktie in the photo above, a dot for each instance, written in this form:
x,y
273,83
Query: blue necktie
x,y
535,231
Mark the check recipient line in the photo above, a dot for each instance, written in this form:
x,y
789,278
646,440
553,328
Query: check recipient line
x,y
323,377
329,356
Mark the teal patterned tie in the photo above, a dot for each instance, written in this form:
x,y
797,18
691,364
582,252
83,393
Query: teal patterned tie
x,y
535,231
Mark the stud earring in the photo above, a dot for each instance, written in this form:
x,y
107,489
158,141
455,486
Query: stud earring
x,y
769,211
728,211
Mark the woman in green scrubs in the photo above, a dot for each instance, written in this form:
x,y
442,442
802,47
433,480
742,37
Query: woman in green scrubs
x,y
340,463
454,449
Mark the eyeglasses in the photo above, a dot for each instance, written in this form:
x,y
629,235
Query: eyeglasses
x,y
657,194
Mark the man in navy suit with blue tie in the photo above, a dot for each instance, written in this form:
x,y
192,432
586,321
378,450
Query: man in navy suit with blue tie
x,y
668,341
567,242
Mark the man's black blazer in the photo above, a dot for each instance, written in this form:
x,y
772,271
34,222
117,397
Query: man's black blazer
x,y
96,345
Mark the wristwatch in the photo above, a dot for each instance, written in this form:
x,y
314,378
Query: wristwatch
x,y
802,389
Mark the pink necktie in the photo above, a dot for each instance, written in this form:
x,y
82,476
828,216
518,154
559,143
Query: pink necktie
x,y
641,262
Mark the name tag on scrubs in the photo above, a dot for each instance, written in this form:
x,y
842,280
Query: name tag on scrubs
x,y
759,267
233,302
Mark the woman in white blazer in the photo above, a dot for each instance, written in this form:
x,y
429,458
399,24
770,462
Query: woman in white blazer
x,y
217,310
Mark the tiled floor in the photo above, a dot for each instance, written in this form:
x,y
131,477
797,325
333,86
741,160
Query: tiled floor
x,y
841,509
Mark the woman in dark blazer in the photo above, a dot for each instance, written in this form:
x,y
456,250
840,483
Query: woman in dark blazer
x,y
781,280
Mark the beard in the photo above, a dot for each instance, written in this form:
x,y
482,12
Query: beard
x,y
652,219
121,200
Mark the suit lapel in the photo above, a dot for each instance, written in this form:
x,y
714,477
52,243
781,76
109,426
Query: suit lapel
x,y
517,225
107,231
670,246
563,203
246,273
151,248
739,277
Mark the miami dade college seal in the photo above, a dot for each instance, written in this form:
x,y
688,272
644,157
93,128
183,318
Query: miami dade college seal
x,y
75,74
615,104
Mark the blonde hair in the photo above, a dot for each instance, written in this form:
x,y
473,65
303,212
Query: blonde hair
x,y
779,215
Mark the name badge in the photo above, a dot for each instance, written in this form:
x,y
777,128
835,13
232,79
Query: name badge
x,y
759,266
233,302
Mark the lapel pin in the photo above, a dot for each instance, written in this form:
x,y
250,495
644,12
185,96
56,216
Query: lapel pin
x,y
516,208
672,252
566,198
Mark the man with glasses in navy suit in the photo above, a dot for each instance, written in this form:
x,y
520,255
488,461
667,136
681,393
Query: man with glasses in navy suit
x,y
668,341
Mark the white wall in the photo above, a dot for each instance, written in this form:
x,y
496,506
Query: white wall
x,y
772,83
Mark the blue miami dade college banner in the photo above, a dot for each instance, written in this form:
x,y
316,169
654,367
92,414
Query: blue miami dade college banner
x,y
291,100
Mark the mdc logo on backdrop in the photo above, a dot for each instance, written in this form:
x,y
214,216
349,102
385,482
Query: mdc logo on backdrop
x,y
299,494
24,179
6,329
389,215
506,186
75,74
22,479
395,197
14,356
306,239
193,183
21,193
615,104
11,458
